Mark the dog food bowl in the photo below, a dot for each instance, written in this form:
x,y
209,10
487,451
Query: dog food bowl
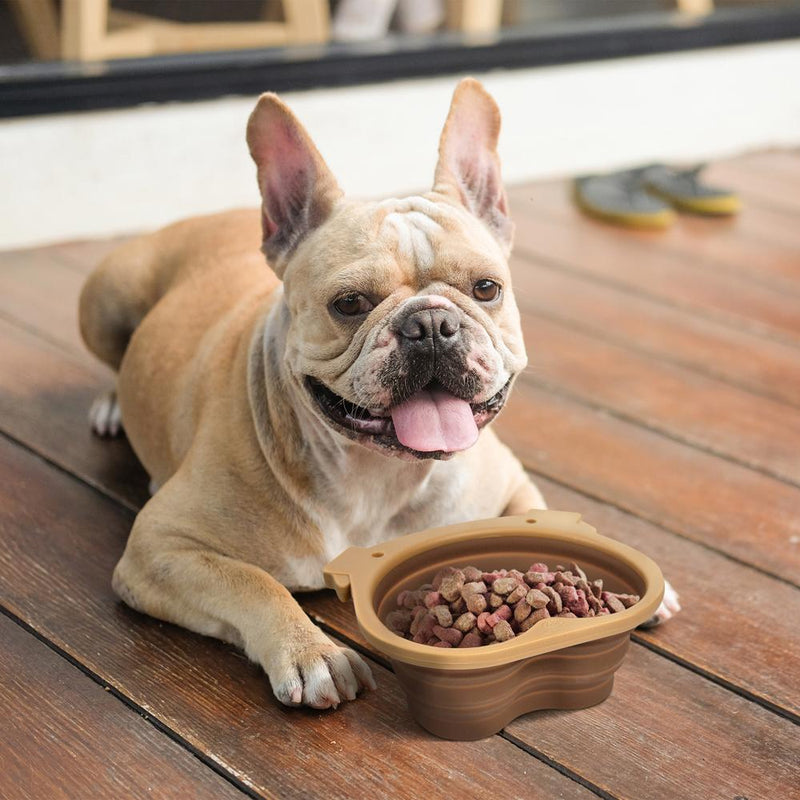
x,y
561,662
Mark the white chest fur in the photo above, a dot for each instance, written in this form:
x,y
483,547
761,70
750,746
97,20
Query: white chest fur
x,y
382,504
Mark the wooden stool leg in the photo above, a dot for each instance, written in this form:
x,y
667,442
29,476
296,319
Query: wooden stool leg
x,y
38,22
474,16
695,8
83,29
307,20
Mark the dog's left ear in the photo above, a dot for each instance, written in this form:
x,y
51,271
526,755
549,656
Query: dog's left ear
x,y
298,190
469,167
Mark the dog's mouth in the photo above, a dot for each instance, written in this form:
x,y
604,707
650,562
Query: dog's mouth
x,y
432,423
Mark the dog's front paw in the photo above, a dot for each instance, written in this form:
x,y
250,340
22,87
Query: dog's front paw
x,y
104,415
318,674
670,606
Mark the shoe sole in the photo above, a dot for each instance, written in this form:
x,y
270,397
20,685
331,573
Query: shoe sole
x,y
658,220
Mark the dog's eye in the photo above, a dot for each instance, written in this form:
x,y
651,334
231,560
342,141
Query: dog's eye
x,y
353,304
486,290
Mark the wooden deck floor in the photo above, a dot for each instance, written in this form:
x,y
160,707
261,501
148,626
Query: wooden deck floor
x,y
663,403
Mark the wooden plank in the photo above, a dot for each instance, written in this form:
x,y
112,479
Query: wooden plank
x,y
658,331
60,543
752,430
661,725
81,254
711,494
719,629
729,608
778,189
38,291
593,250
738,655
704,496
56,725
45,395
759,223
42,293
110,465
731,508
760,245
169,669
664,732
766,254
784,162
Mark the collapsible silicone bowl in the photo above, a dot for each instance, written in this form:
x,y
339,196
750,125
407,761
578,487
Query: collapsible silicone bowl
x,y
561,662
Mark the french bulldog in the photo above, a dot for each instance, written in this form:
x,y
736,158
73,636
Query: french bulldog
x,y
340,396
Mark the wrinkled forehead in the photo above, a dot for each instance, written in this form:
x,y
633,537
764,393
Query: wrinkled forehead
x,y
410,239
412,225
418,229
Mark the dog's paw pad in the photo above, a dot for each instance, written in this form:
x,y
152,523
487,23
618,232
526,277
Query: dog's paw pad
x,y
104,415
319,675
670,606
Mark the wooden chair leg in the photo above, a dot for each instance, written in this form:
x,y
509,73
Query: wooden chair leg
x,y
474,16
695,8
307,20
38,21
83,29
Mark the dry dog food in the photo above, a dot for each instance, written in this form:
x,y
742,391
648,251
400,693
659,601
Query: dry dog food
x,y
470,608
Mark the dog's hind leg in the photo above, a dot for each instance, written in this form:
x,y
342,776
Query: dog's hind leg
x,y
113,302
116,297
104,415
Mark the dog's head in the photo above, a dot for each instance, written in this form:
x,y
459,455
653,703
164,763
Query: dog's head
x,y
403,333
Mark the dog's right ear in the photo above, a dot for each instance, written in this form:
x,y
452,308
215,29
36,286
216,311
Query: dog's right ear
x,y
298,190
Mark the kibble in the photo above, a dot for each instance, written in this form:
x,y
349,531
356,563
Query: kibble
x,y
476,603
472,608
494,600
466,622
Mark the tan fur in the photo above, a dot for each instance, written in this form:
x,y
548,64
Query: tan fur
x,y
256,493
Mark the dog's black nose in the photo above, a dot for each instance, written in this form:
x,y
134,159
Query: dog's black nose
x,y
429,323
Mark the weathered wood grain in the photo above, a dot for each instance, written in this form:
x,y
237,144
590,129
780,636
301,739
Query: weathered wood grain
x,y
42,410
757,431
726,506
45,396
663,728
729,608
661,332
646,350
599,251
63,736
57,551
40,293
662,735
777,188
761,243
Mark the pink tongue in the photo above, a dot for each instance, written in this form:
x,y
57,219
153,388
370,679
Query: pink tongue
x,y
435,420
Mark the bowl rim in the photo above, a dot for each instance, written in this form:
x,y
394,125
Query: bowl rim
x,y
358,571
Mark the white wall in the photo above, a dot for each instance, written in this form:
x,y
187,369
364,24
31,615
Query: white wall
x,y
103,173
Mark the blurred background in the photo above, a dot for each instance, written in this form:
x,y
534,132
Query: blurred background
x,y
128,114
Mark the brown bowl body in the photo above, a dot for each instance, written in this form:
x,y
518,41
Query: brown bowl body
x,y
559,663
471,704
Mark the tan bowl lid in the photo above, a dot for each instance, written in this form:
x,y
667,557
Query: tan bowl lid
x,y
359,571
